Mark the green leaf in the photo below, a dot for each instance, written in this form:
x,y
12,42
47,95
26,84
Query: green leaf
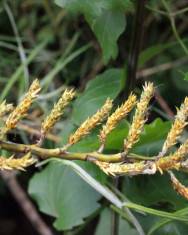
x,y
186,76
108,84
114,140
155,191
116,137
174,228
105,17
155,50
152,138
17,74
107,28
104,225
61,193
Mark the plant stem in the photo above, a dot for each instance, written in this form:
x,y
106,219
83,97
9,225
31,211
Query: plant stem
x,y
135,47
131,167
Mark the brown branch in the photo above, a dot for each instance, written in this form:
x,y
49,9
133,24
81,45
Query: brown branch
x,y
33,131
25,203
162,67
163,104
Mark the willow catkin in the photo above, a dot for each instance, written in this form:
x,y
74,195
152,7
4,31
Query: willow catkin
x,y
177,127
5,108
178,186
16,164
118,169
91,122
21,110
139,118
116,117
57,110
174,159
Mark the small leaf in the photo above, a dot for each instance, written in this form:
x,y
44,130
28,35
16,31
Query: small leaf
x,y
107,28
60,192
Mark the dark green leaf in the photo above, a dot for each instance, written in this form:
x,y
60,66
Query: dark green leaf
x,y
173,228
117,136
186,76
152,138
154,191
155,50
107,84
60,192
107,28
105,17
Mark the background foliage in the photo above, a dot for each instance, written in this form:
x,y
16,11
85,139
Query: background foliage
x,y
86,45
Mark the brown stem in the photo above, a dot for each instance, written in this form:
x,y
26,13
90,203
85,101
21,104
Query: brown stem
x,y
135,46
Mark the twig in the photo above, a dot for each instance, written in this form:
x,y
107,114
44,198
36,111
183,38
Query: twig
x,y
163,104
160,68
33,131
25,203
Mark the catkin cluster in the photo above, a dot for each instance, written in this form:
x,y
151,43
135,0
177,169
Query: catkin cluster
x,y
124,162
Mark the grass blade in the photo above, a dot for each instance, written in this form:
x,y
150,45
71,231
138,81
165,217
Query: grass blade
x,y
20,70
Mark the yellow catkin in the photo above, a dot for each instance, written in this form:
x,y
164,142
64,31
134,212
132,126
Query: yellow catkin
x,y
5,108
173,160
91,122
57,110
139,118
22,108
118,115
177,127
117,169
178,186
16,164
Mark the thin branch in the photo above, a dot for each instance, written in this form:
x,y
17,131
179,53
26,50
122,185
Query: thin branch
x,y
163,104
162,67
